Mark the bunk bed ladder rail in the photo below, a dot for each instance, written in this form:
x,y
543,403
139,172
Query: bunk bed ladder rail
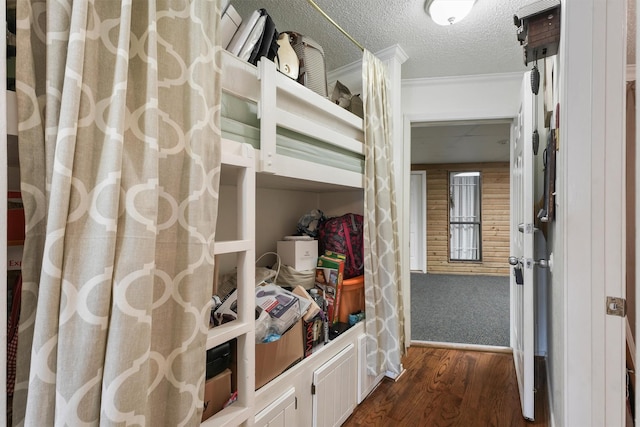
x,y
267,114
240,157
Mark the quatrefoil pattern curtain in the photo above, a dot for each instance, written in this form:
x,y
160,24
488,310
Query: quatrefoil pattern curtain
x,y
120,159
382,262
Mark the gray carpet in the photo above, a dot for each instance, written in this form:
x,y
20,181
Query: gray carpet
x,y
460,309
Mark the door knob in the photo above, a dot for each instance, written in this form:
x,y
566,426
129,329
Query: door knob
x,y
542,263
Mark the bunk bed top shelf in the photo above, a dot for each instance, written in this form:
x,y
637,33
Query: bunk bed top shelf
x,y
302,140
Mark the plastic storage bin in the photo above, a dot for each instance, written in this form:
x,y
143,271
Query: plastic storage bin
x,y
352,298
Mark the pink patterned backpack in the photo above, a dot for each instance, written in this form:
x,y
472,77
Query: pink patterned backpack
x,y
344,234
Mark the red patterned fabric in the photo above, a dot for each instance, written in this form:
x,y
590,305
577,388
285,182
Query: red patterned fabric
x,y
12,337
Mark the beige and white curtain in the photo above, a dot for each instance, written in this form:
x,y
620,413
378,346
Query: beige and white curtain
x,y
383,286
120,159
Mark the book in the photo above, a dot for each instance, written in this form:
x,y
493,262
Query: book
x,y
224,5
254,37
245,29
229,24
329,277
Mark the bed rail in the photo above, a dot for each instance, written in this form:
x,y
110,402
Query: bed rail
x,y
283,103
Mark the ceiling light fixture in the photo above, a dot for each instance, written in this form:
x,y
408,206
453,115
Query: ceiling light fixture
x,y
448,12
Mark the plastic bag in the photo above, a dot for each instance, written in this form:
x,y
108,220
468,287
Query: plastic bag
x,y
291,277
308,223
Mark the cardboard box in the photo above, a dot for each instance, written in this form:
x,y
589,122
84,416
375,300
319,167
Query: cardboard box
x,y
300,254
274,358
217,391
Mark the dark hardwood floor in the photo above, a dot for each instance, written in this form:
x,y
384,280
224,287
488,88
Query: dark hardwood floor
x,y
449,387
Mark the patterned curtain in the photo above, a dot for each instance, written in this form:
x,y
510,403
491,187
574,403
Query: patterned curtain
x,y
383,280
120,159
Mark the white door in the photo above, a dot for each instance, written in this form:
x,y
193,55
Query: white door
x,y
522,238
334,389
418,219
280,413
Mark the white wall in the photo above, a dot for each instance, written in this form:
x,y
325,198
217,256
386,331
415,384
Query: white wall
x,y
277,215
339,203
449,98
588,361
461,98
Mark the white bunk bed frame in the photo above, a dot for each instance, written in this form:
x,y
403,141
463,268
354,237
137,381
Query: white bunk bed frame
x,y
284,103
281,103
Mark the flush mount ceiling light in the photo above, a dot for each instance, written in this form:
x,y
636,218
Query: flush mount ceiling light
x,y
447,12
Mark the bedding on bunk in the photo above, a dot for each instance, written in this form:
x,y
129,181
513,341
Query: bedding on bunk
x,y
240,123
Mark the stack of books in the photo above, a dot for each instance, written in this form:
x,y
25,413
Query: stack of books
x,y
251,38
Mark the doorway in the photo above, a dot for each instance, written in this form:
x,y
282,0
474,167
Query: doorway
x,y
450,155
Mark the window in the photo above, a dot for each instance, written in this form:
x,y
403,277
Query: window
x,y
464,216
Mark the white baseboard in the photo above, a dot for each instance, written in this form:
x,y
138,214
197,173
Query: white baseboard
x,y
456,346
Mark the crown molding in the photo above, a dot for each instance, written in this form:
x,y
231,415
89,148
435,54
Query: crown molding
x,y
353,68
392,52
477,78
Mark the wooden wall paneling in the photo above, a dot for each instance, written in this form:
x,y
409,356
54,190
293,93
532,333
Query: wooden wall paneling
x,y
495,219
